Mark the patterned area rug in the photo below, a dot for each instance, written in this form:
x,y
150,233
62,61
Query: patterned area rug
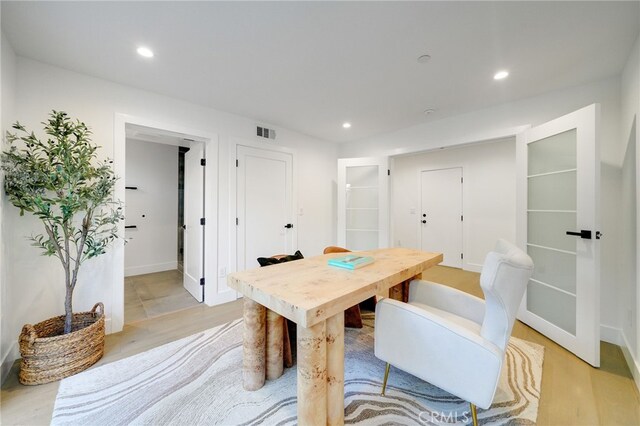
x,y
198,380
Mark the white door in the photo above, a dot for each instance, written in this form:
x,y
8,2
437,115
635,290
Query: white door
x,y
441,214
264,205
363,203
558,222
193,229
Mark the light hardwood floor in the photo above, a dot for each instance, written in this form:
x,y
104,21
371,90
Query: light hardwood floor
x,y
573,393
152,295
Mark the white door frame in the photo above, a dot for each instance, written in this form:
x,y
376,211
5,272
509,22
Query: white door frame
x,y
233,192
419,224
211,209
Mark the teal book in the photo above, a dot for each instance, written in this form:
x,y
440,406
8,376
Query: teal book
x,y
351,261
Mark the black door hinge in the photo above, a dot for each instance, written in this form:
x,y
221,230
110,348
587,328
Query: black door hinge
x,y
203,161
202,221
388,172
461,218
236,162
201,281
236,221
461,180
461,255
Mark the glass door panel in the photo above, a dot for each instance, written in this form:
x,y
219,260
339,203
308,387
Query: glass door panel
x,y
362,176
548,229
361,197
555,268
555,191
362,219
553,154
361,240
556,307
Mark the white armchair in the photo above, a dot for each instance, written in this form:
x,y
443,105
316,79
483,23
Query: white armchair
x,y
452,339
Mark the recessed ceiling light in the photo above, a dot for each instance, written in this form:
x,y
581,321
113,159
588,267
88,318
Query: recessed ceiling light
x,y
346,125
501,75
429,111
145,52
423,59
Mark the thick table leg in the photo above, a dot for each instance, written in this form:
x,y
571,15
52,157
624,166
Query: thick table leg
x,y
335,370
253,345
275,329
396,292
401,291
312,375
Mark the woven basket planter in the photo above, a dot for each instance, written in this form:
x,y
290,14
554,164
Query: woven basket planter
x,y
48,355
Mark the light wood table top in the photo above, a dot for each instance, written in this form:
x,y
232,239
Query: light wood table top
x,y
309,291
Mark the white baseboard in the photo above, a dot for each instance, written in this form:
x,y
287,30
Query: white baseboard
x,y
150,269
473,267
633,364
7,362
220,298
611,334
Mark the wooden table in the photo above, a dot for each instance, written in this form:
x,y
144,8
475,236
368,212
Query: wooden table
x,y
314,296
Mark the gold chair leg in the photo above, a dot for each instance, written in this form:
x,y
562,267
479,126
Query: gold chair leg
x,y
474,414
386,376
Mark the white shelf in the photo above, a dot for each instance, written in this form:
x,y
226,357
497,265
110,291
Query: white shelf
x,y
551,211
552,173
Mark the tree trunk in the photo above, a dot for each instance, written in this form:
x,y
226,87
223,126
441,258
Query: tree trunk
x,y
68,311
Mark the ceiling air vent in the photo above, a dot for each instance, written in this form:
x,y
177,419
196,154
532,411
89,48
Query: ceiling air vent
x,y
263,132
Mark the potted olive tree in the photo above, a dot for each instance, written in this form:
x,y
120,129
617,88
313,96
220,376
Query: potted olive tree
x,y
60,180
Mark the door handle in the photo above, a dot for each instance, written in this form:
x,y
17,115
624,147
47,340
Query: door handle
x,y
289,225
586,234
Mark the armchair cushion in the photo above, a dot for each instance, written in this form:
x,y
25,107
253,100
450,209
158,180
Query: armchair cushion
x,y
447,299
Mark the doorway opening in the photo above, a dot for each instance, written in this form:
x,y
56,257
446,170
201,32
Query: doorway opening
x,y
164,211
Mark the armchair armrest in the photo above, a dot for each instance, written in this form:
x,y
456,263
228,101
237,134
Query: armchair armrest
x,y
437,350
447,299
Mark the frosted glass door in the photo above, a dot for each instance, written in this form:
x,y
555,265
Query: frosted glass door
x,y
363,203
551,294
558,193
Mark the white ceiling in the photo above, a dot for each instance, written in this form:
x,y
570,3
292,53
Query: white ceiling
x,y
309,66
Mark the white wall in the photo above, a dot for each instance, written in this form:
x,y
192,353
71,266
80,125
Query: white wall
x,y
153,207
628,293
504,119
35,281
629,297
488,195
8,338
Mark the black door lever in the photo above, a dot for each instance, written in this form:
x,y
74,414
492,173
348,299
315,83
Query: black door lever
x,y
582,234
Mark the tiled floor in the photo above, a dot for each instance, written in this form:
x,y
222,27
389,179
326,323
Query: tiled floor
x,y
151,295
